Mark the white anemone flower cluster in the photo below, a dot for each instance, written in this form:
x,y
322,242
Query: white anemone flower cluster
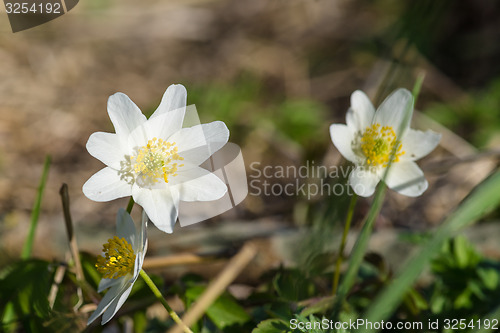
x,y
155,160
373,140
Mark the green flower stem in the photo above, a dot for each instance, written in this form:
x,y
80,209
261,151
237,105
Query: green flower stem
x,y
130,205
340,256
160,297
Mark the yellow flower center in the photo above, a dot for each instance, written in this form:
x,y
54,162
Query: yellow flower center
x,y
378,143
118,259
156,160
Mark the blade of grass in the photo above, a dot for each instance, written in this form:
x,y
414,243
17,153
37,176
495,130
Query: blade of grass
x,y
35,213
418,85
481,200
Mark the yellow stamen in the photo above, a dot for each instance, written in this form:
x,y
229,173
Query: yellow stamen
x,y
118,259
378,143
157,160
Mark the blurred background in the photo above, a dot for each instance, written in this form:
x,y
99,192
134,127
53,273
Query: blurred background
x,y
278,73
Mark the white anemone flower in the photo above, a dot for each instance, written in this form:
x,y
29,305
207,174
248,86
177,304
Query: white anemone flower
x,y
120,265
155,160
373,140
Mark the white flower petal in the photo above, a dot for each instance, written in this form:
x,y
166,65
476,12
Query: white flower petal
x,y
396,111
139,259
143,245
106,283
137,138
407,179
199,185
185,172
106,185
168,117
174,98
164,125
342,137
197,143
125,227
364,182
124,114
360,114
160,205
196,156
417,144
116,304
107,148
110,296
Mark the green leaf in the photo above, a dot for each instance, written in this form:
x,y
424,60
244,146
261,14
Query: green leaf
x,y
279,308
489,277
140,322
272,326
463,300
292,285
224,312
438,304
319,307
9,323
26,287
476,289
465,254
417,299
